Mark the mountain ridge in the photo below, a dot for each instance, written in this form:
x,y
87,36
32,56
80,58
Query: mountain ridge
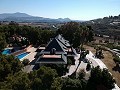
x,y
23,17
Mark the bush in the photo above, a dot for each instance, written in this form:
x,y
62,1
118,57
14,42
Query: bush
x,y
87,51
25,62
61,69
69,61
82,48
116,59
117,65
71,84
112,46
88,67
81,74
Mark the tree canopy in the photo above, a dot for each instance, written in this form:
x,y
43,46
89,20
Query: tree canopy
x,y
77,34
9,65
100,78
3,43
35,35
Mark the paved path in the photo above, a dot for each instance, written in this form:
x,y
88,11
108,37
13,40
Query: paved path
x,y
74,67
28,68
98,62
32,54
95,61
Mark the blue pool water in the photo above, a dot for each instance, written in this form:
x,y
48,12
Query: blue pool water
x,y
20,56
7,51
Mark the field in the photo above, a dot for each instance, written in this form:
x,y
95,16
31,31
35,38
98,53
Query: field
x,y
108,61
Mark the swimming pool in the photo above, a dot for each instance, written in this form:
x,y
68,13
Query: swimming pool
x,y
9,51
22,55
6,51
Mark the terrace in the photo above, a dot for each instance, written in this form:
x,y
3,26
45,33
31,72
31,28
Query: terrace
x,y
51,56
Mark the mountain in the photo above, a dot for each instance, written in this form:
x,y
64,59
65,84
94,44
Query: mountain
x,y
23,17
6,15
63,19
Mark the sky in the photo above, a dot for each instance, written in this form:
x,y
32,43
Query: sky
x,y
73,9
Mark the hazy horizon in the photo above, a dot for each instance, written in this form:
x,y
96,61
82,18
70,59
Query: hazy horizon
x,y
75,10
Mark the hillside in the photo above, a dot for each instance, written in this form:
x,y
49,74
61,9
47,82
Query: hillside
x,y
106,26
112,20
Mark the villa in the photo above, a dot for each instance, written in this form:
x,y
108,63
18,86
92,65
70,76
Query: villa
x,y
57,51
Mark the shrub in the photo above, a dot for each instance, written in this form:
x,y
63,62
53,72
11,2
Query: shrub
x,y
87,51
88,67
25,62
81,74
116,59
69,61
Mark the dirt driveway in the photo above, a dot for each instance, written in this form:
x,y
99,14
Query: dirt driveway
x,y
108,61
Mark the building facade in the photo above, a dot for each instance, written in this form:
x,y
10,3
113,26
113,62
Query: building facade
x,y
57,51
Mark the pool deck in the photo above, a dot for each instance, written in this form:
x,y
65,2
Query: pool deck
x,y
30,56
32,53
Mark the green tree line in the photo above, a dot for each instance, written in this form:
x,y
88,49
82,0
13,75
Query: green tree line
x,y
74,32
45,78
